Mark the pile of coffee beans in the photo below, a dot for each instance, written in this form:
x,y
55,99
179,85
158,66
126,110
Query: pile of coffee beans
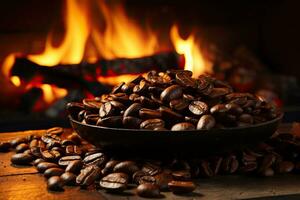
x,y
66,159
172,100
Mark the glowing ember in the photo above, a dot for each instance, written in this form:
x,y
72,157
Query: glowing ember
x,y
15,80
51,93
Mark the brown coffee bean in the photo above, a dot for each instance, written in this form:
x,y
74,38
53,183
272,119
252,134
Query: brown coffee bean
x,y
285,166
109,166
170,115
141,88
132,122
113,122
55,131
73,150
181,187
152,124
206,122
128,167
74,166
75,138
218,92
55,183
115,182
219,108
179,104
127,88
198,107
43,166
171,93
148,190
183,126
68,178
66,160
215,164
95,159
4,146
246,118
91,119
185,80
146,113
53,172
22,159
117,88
234,108
151,169
133,110
146,179
74,108
22,147
38,161
183,175
18,141
50,155
106,110
162,179
88,175
192,120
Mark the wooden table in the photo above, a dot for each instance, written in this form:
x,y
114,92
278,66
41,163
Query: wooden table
x,y
26,183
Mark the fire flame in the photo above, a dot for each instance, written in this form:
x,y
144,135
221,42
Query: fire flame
x,y
120,37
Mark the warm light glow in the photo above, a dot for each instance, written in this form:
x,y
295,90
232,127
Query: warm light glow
x,y
15,80
52,93
114,80
194,60
7,65
71,50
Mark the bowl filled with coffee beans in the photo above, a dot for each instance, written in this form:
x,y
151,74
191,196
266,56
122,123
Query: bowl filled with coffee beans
x,y
172,111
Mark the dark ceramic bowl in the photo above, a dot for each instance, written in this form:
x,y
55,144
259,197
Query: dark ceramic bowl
x,y
200,142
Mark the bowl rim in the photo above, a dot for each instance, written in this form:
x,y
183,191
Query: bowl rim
x,y
277,119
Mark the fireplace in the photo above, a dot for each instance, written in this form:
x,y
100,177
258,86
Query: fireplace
x,y
60,51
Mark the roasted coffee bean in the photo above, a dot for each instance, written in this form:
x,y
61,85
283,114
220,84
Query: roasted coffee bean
x,y
22,147
146,102
152,124
181,187
183,126
133,110
113,122
81,115
171,93
75,138
115,182
234,108
43,166
22,159
109,166
198,107
68,178
55,183
27,151
67,142
185,80
91,104
91,119
74,108
218,92
88,175
117,88
141,88
51,139
53,172
50,155
285,167
36,151
66,160
74,166
219,108
132,122
73,150
55,131
179,104
38,161
146,179
138,175
128,167
183,175
162,179
106,109
206,122
18,141
146,113
151,169
127,88
4,146
95,159
148,190
192,120
170,115
246,118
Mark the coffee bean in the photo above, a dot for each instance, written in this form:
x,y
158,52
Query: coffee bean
x,y
151,169
113,122
128,167
219,108
170,115
179,104
163,179
75,138
4,146
109,166
92,105
132,122
88,175
66,160
95,159
18,141
22,147
53,172
133,110
246,118
22,159
152,124
206,122
74,166
50,155
230,164
55,183
43,166
115,182
183,126
234,108
171,93
148,190
91,119
181,187
267,162
117,88
106,110
146,113
127,88
68,178
38,161
146,179
73,150
55,131
185,80
218,92
183,175
141,88
198,107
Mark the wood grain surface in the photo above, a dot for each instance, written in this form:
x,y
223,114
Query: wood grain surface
x,y
25,183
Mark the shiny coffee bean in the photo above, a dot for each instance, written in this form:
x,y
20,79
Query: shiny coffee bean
x,y
146,179
170,115
55,131
206,122
183,175
73,150
171,93
43,166
234,109
88,175
198,107
183,126
22,159
151,168
91,104
106,110
68,178
66,160
94,159
18,141
141,88
148,190
185,80
74,166
132,122
109,166
55,183
146,113
113,122
179,104
128,167
53,172
38,161
133,110
181,187
152,124
114,182
219,108
75,138
218,92
162,180
22,147
5,146
117,88
51,155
